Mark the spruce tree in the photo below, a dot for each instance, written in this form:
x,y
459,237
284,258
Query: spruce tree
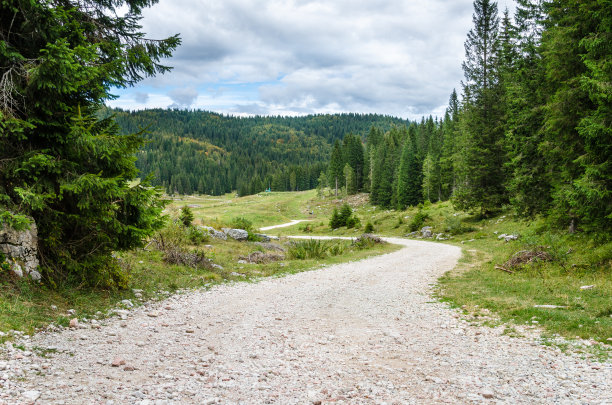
x,y
350,180
481,161
336,166
62,164
529,176
409,182
450,130
578,136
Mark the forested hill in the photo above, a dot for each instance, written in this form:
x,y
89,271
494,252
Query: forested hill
x,y
204,152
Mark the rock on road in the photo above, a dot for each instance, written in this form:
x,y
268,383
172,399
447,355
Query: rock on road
x,y
366,332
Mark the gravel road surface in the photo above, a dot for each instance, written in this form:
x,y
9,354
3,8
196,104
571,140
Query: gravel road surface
x,y
366,332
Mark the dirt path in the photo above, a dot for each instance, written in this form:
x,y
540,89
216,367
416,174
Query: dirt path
x,y
365,332
293,222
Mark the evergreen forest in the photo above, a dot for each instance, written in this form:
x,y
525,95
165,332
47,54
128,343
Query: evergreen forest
x,y
530,128
202,152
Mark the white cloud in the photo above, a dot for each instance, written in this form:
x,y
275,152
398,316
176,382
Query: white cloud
x,y
401,57
182,97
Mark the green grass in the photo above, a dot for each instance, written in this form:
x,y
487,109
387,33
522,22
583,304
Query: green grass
x,y
476,284
27,307
261,209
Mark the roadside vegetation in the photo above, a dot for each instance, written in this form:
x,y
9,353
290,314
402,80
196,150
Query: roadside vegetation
x,y
545,278
181,256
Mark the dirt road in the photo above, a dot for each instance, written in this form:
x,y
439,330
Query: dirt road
x,y
366,332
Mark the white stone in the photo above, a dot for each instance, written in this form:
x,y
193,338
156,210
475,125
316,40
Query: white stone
x,y
31,395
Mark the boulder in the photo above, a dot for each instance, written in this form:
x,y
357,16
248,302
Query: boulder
x,y
214,233
507,238
238,234
426,232
21,249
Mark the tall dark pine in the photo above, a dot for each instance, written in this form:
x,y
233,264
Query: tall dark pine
x,y
336,167
480,177
354,157
450,129
529,176
410,178
577,55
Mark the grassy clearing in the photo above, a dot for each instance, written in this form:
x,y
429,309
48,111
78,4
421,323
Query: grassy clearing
x,y
476,285
261,209
27,307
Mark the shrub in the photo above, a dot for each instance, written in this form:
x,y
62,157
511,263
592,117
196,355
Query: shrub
x,y
366,241
337,249
335,221
262,257
306,228
418,220
454,226
400,222
241,223
345,213
170,235
197,235
369,228
4,264
344,217
308,249
353,222
186,216
196,259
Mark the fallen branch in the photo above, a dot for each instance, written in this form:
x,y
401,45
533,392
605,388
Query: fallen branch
x,y
504,269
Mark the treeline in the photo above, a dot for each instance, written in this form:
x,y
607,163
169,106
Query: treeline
x,y
532,127
202,152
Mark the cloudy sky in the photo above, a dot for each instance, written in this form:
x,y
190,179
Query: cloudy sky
x,y
295,57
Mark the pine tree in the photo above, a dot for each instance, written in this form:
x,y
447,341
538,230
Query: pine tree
x,y
429,178
321,184
350,180
354,157
336,166
578,142
186,216
450,129
481,161
62,164
529,177
409,184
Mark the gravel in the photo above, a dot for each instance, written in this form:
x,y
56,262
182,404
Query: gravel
x,y
366,332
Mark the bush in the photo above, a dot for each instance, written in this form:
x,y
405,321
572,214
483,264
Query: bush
x,y
306,228
197,235
337,249
196,259
345,213
186,216
369,228
308,249
171,235
344,217
353,222
241,223
335,222
366,241
418,221
454,226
